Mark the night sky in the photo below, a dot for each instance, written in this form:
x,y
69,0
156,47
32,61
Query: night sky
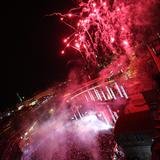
x,y
30,48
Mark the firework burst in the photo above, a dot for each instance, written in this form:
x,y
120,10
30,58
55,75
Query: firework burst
x,y
103,30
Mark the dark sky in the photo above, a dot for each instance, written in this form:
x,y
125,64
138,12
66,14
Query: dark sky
x,y
30,47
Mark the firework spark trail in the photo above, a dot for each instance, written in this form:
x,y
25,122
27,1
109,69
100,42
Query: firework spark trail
x,y
107,28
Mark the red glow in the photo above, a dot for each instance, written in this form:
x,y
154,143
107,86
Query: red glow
x,y
94,4
122,28
112,39
65,40
77,45
125,43
69,15
104,4
118,9
62,52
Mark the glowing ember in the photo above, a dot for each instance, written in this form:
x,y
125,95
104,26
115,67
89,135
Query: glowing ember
x,y
65,40
125,43
112,39
68,45
62,52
